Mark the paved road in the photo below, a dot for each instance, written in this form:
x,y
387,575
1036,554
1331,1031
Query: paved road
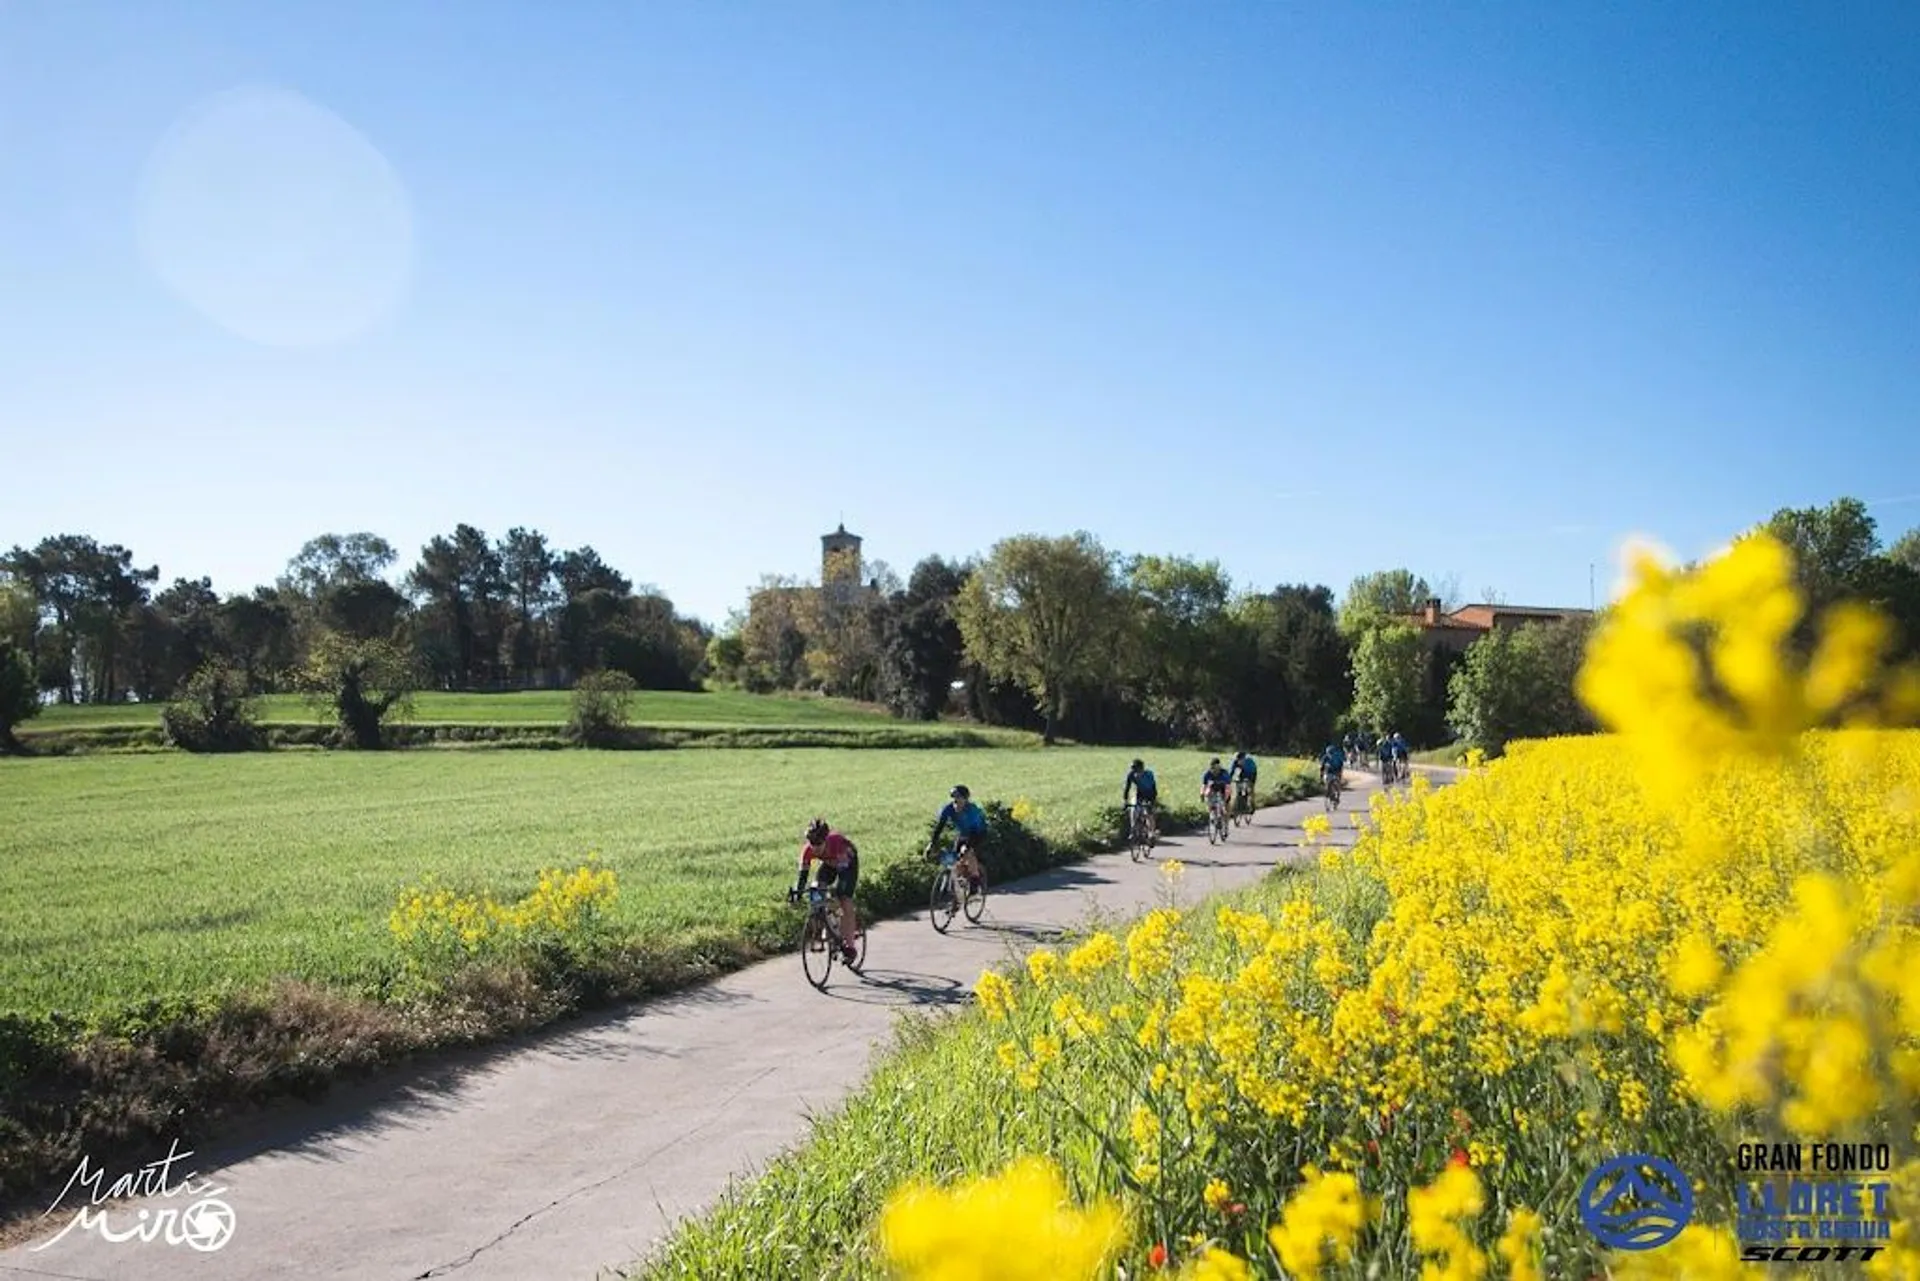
x,y
576,1151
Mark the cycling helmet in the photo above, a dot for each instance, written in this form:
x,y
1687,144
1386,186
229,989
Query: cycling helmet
x,y
816,831
1139,764
960,793
1216,762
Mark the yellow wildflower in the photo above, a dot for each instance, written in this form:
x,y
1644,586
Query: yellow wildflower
x,y
929,1233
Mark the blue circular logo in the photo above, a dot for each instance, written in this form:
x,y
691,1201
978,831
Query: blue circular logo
x,y
1636,1202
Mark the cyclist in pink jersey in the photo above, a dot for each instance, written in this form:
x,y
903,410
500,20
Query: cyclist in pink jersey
x,y
839,861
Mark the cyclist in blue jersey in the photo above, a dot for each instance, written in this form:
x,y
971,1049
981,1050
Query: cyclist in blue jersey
x,y
1333,763
1213,784
970,832
1246,772
1141,788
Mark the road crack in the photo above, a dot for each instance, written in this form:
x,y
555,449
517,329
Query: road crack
x,y
719,1113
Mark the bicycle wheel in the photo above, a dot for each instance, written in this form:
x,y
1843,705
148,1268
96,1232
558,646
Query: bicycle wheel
x,y
1136,837
976,900
940,901
816,953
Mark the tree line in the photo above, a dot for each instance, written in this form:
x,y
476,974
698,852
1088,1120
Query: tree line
x,y
89,624
1059,635
1064,636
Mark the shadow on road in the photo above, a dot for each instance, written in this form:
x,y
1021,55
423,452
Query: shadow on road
x,y
409,1097
903,988
998,931
1058,878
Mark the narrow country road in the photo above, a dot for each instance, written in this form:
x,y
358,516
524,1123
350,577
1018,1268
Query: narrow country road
x,y
573,1152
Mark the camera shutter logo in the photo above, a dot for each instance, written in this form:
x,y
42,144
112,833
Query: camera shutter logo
x,y
1636,1202
207,1225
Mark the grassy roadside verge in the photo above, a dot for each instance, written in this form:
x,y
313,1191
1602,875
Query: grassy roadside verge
x,y
127,1081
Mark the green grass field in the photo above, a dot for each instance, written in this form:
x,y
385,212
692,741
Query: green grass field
x,y
662,708
138,876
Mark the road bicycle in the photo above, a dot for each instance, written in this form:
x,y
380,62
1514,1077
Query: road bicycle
x,y
1140,833
1217,824
1243,802
947,900
820,936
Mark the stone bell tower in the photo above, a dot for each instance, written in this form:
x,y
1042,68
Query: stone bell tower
x,y
840,564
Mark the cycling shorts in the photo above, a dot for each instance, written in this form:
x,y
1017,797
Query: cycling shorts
x,y
840,879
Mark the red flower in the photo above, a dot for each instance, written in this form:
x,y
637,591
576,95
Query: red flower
x,y
1237,1209
1157,1257
1459,1158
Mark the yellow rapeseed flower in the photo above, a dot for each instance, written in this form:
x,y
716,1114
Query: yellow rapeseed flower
x,y
1325,1214
1519,1245
995,994
1092,956
1216,1264
933,1234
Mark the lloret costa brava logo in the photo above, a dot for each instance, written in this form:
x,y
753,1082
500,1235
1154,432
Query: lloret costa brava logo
x,y
193,1215
1813,1202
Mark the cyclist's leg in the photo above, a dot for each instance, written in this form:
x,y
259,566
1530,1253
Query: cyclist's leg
x,y
843,886
970,860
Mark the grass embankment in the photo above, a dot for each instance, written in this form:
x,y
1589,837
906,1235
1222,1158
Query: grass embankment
x,y
160,906
538,718
1689,973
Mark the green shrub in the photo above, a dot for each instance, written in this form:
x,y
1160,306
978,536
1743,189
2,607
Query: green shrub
x,y
601,708
214,712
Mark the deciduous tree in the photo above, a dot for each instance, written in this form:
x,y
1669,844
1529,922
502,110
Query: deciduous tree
x,y
360,682
1042,612
1389,675
1382,596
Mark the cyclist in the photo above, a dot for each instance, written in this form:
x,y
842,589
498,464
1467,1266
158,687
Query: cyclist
x,y
1246,771
969,830
1400,756
1333,762
1140,787
839,861
1213,785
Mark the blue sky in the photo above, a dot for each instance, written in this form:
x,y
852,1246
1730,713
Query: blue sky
x,y
1476,289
